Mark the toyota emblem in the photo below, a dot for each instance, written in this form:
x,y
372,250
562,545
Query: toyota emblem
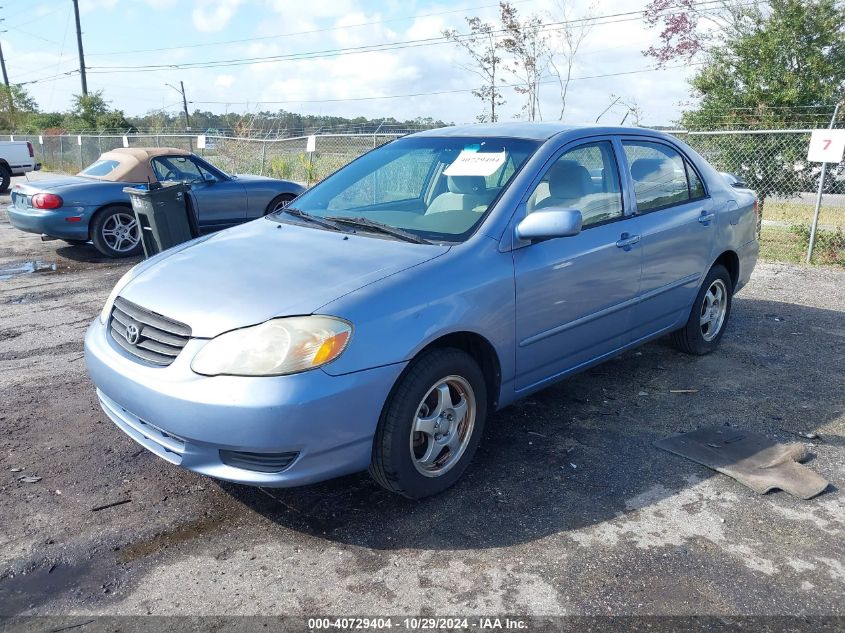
x,y
133,334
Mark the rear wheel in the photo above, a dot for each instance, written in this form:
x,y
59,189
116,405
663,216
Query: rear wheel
x,y
431,425
279,202
115,233
709,315
5,178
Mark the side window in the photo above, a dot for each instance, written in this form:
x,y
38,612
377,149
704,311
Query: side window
x,y
660,175
584,178
696,187
176,168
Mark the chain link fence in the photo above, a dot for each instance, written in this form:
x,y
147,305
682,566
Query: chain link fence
x,y
773,163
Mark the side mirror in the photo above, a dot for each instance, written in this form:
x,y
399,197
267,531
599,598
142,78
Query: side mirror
x,y
208,179
548,223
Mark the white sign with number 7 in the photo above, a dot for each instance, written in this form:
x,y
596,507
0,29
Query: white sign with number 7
x,y
826,146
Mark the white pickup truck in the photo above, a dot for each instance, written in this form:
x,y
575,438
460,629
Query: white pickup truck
x,y
16,159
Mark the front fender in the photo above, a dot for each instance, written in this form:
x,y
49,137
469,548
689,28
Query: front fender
x,y
470,289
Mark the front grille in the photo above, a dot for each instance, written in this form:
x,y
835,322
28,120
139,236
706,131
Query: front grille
x,y
147,335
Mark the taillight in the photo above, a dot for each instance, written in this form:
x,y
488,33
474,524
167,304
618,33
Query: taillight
x,y
46,201
31,149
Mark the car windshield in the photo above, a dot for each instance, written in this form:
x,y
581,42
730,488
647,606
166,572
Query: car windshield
x,y
437,188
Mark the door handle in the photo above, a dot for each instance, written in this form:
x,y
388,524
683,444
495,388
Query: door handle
x,y
627,241
706,218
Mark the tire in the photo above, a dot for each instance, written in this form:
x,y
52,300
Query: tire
x,y
279,201
105,222
419,464
715,297
5,178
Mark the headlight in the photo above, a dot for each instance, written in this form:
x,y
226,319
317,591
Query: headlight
x,y
274,348
120,285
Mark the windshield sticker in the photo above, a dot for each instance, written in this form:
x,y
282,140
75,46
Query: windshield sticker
x,y
472,163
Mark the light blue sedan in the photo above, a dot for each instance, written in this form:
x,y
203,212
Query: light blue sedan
x,y
377,322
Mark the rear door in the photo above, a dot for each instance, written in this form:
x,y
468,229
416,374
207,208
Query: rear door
x,y
575,295
678,227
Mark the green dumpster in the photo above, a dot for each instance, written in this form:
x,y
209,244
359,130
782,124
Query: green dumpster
x,y
165,215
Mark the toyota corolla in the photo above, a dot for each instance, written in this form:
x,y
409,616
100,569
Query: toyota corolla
x,y
377,322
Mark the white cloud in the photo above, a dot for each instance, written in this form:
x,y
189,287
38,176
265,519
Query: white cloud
x,y
213,15
224,81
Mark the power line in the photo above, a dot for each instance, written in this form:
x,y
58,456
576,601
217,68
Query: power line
x,y
296,33
386,46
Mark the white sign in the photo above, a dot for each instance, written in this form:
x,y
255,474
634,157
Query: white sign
x,y
11,137
201,141
311,144
125,141
41,140
79,140
469,163
826,146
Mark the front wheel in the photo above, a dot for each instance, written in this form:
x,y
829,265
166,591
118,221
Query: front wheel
x,y
115,232
431,425
279,202
709,315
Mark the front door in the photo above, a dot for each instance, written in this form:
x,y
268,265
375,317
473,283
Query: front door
x,y
575,296
221,202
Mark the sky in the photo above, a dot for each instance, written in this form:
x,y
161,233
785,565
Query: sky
x,y
39,43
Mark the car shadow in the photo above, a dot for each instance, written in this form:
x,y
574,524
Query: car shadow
x,y
581,452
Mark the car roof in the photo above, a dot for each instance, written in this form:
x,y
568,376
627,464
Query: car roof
x,y
533,130
145,153
134,163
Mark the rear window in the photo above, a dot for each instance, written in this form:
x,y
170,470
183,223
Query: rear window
x,y
100,168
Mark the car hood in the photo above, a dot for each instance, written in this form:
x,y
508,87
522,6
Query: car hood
x,y
264,269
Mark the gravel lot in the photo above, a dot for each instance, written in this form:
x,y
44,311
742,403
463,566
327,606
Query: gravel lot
x,y
568,508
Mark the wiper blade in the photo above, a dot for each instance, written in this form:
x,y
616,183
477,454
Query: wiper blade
x,y
301,215
380,227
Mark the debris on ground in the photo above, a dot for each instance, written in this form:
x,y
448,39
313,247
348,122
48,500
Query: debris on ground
x,y
683,391
752,459
111,505
29,479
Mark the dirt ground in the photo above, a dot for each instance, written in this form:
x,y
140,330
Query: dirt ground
x,y
567,509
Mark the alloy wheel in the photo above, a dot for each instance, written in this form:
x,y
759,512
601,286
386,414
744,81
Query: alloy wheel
x,y
713,310
120,232
443,426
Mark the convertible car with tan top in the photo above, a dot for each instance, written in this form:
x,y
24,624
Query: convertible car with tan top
x,y
91,206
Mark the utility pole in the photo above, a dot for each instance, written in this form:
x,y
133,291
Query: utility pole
x,y
3,59
185,106
79,46
3,64
181,91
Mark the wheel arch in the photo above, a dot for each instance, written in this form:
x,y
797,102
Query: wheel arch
x,y
730,260
282,194
481,350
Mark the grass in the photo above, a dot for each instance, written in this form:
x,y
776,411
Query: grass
x,y
801,212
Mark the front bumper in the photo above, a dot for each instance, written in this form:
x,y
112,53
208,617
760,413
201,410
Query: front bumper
x,y
188,419
52,222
